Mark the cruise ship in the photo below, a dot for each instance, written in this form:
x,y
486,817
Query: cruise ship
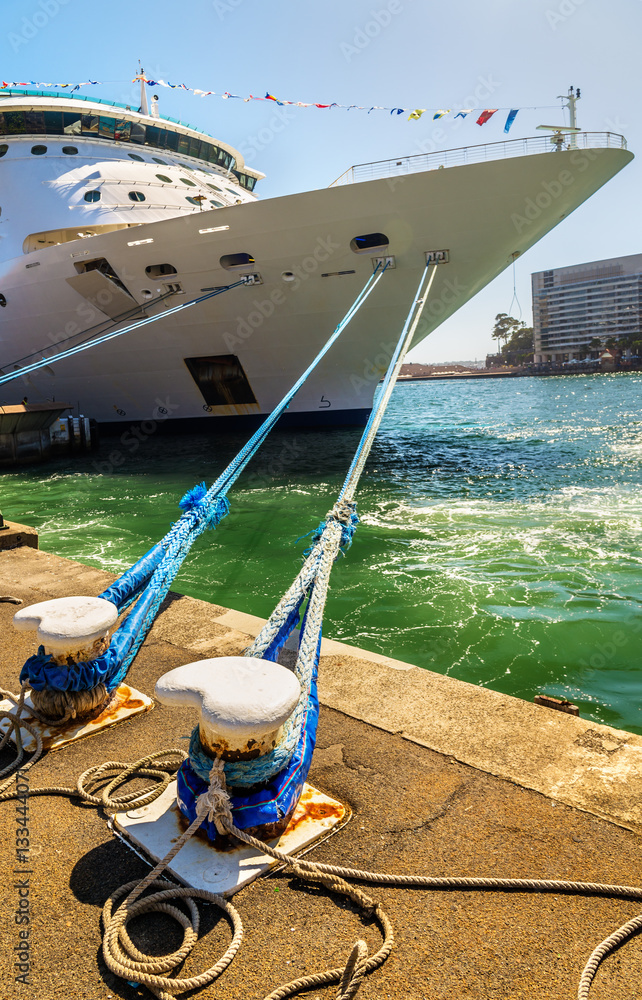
x,y
110,214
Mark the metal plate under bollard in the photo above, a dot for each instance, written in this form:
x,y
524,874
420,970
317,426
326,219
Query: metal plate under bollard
x,y
128,702
156,827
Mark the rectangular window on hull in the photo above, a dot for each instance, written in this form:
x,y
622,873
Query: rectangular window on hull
x,y
35,122
107,127
90,124
221,380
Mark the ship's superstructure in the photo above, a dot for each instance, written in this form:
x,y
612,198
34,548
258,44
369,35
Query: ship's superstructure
x,y
76,168
109,214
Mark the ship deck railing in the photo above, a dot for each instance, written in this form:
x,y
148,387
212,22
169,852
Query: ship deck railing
x,y
418,162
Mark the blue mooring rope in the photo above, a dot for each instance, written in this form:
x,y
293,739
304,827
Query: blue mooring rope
x,y
152,575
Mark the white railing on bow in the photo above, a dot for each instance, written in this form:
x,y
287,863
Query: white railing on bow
x,y
477,154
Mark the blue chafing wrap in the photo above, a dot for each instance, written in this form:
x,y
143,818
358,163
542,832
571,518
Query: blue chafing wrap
x,y
135,578
111,668
271,803
42,672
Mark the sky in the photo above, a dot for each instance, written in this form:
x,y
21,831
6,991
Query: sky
x,y
396,53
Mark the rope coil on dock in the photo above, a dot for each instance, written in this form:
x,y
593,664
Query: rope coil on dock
x,y
120,952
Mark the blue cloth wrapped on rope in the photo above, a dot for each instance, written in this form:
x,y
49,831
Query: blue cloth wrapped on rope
x,y
156,575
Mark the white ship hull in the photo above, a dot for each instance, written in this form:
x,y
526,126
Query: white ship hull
x,y
483,214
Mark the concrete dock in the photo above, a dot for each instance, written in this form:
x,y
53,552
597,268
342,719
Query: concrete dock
x,y
442,777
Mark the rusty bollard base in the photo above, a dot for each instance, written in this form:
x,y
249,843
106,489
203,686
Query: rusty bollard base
x,y
126,703
201,865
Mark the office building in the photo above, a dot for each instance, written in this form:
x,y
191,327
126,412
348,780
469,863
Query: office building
x,y
575,307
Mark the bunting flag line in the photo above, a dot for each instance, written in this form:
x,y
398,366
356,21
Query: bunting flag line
x,y
413,114
512,115
485,116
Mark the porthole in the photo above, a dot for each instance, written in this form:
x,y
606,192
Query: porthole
x,y
164,178
69,150
288,275
136,196
92,195
236,261
214,187
369,243
38,150
146,293
157,159
193,201
216,204
158,270
3,148
135,156
187,181
186,166
3,301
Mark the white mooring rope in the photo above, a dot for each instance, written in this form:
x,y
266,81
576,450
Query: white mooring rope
x,y
126,961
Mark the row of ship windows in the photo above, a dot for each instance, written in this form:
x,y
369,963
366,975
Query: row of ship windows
x,y
121,130
72,150
93,196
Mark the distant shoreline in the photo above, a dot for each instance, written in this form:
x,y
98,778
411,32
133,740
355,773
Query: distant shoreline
x,y
512,373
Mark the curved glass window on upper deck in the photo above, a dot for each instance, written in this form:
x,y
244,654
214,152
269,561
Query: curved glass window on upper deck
x,y
72,123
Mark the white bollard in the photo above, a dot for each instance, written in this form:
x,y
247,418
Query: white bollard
x,y
72,629
242,701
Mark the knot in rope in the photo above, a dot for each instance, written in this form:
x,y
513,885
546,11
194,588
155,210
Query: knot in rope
x,y
214,804
343,513
16,724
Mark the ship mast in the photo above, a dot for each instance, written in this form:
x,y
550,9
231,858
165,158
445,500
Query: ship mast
x,y
144,107
571,99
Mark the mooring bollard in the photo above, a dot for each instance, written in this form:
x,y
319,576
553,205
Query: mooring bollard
x,y
72,630
243,703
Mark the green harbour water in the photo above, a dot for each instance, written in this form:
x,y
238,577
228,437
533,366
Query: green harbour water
x,y
500,537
